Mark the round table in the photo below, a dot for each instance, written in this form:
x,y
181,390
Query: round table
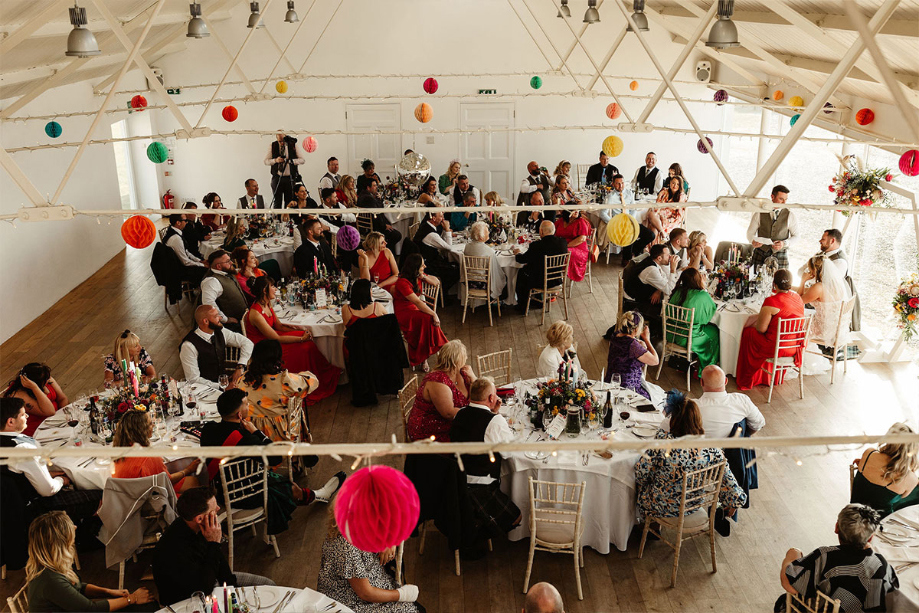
x,y
903,551
731,318
504,267
296,600
609,499
280,248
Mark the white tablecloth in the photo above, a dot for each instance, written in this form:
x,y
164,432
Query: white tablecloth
x,y
504,274
279,248
302,599
609,499
401,221
731,319
897,554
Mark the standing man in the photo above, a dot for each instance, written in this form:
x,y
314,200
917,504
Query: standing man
x,y
331,179
283,156
602,173
537,180
251,200
648,179
461,197
221,290
772,232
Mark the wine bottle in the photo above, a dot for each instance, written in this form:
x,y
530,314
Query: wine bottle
x,y
93,416
608,411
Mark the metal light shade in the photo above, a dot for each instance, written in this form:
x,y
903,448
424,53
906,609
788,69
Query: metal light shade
x,y
291,16
255,18
592,15
196,26
723,34
563,10
81,42
641,20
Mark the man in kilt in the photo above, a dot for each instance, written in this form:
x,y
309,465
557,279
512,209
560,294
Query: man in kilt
x,y
772,232
496,514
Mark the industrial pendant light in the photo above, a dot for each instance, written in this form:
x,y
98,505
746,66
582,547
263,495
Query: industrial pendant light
x,y
723,33
638,16
81,42
291,16
255,18
563,10
196,27
592,15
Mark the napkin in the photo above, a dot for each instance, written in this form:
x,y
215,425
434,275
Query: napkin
x,y
903,553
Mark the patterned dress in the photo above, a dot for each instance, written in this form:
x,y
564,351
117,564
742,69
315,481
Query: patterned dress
x,y
143,362
342,561
268,401
659,479
424,420
624,352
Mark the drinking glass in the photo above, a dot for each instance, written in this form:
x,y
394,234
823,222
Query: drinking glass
x,y
593,421
223,381
615,380
198,602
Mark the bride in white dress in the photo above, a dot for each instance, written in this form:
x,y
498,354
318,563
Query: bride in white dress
x,y
826,293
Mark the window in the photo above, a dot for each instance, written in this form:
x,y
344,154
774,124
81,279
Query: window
x,y
124,166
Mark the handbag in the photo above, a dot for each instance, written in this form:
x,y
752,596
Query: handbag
x,y
595,254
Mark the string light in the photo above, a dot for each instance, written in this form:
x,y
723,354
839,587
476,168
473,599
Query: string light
x,y
491,457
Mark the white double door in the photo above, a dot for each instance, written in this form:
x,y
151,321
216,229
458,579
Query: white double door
x,y
384,149
489,149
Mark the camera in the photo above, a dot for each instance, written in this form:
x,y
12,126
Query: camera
x,y
290,139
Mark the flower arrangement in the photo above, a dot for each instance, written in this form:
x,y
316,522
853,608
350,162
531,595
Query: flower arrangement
x,y
559,393
496,227
123,400
906,303
858,186
730,280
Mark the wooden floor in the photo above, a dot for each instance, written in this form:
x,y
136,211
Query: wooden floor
x,y
794,506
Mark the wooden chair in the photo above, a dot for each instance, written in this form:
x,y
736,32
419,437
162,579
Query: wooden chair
x,y
232,360
406,402
296,423
19,602
334,246
582,174
556,523
840,339
476,271
431,295
364,224
496,365
700,493
149,542
241,479
621,294
412,229
590,248
852,470
821,604
678,322
793,333
555,278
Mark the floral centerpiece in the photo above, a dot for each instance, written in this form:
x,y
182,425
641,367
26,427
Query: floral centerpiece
x,y
858,186
123,400
396,188
499,230
566,392
731,280
906,304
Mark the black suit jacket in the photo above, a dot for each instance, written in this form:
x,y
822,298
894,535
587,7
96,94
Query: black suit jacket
x,y
307,254
534,260
244,202
368,201
595,174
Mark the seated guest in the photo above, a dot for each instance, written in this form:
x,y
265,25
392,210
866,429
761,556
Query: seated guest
x,y
360,304
252,199
478,247
434,238
494,199
537,181
831,247
602,173
270,387
247,270
664,219
678,244
562,194
676,170
188,558
442,392
364,180
560,350
690,293
649,281
886,479
221,290
478,422
419,323
193,268
825,289
532,275
377,262
194,231
563,169
358,580
622,195
721,410
128,349
41,394
628,354
700,254
136,428
314,256
330,201
369,199
346,193
203,352
236,230
530,220
331,178
648,178
214,222
428,195
576,230
302,199
543,598
447,181
758,341
659,472
40,489
851,571
300,353
466,195
53,584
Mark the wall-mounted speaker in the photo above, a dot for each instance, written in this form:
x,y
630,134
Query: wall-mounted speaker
x,y
703,71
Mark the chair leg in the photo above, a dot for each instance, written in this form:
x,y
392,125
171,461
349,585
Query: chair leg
x,y
465,304
688,375
660,364
76,559
121,575
577,573
526,578
801,377
490,322
254,531
581,554
545,307
845,359
3,572
230,538
590,279
644,536
676,559
456,555
832,365
490,546
711,538
424,531
400,551
771,385
274,543
527,311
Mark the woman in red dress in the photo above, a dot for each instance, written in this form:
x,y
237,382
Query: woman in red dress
x,y
360,304
35,386
420,325
246,269
442,393
377,262
214,222
300,352
758,341
576,230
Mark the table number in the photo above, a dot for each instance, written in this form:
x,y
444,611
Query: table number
x,y
556,428
322,299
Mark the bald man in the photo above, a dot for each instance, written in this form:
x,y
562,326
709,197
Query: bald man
x,y
534,261
204,350
537,180
721,410
543,598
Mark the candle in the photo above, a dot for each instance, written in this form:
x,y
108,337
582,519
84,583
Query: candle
x,y
225,609
316,266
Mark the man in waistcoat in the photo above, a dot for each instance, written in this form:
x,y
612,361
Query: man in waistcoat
x,y
193,268
537,180
460,197
330,179
433,238
649,281
478,422
773,231
602,173
831,247
204,350
252,199
283,156
648,179
221,290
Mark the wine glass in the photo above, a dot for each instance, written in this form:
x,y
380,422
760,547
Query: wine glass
x,y
615,380
222,382
198,603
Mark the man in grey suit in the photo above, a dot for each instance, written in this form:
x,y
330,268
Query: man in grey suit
x,y
251,200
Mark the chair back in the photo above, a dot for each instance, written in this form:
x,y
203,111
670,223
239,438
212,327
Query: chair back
x,y
678,322
793,333
701,488
406,402
841,332
162,233
431,294
241,479
232,359
412,229
477,270
364,223
242,324
295,418
621,294
19,602
556,507
821,604
721,252
582,174
556,271
334,245
496,365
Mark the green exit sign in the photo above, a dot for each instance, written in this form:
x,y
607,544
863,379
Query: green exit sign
x,y
488,91
174,91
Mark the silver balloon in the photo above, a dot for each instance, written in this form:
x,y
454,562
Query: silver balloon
x,y
414,168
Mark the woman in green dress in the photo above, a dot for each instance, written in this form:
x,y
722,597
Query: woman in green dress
x,y
690,293
447,181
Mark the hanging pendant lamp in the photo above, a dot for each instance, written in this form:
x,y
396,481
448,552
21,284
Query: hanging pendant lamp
x,y
723,33
196,27
255,18
81,42
638,16
592,15
291,16
563,10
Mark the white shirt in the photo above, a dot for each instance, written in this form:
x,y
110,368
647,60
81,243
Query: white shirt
x,y
658,180
339,220
659,277
269,160
188,353
497,432
211,290
35,470
525,186
841,265
626,197
433,239
753,228
549,361
176,243
326,183
720,411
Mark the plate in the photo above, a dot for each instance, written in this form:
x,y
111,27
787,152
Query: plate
x,y
644,430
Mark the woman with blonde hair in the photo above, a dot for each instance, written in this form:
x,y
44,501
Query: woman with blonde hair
x,y
886,479
376,262
236,230
53,584
560,349
442,393
494,199
447,181
347,194
629,350
128,349
135,428
701,256
562,170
